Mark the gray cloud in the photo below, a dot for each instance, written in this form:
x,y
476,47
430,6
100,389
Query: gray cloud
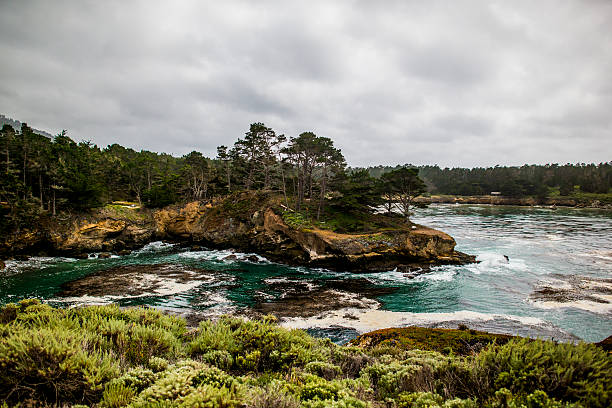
x,y
464,83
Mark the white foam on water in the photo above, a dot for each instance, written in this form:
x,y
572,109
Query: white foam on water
x,y
35,262
310,285
437,276
554,237
578,286
221,255
389,276
154,247
373,319
150,284
550,282
214,255
588,305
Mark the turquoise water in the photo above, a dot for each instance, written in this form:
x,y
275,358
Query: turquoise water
x,y
556,282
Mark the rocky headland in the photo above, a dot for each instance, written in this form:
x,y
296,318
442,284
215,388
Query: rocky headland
x,y
247,221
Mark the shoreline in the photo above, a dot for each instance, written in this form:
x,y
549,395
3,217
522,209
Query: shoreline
x,y
247,222
512,201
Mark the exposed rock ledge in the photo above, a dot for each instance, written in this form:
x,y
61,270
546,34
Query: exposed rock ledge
x,y
247,222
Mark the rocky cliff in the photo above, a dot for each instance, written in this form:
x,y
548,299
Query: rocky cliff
x,y
251,222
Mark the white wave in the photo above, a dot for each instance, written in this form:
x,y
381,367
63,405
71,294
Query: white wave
x,y
588,305
223,255
149,284
491,259
554,237
154,247
437,276
310,285
35,262
368,320
214,255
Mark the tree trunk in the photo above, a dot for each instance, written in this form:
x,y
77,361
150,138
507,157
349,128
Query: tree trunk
x,y
322,192
40,190
227,170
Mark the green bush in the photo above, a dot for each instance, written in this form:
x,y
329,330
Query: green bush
x,y
207,396
53,365
431,400
258,346
111,357
218,358
326,370
137,378
567,372
273,396
538,399
116,395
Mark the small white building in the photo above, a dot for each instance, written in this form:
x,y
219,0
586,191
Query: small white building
x,y
495,193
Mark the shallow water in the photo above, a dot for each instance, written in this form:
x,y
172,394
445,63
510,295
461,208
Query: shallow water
x,y
556,282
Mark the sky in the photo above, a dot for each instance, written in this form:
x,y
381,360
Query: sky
x,y
453,83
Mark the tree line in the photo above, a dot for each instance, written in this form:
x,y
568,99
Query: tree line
x,y
49,176
528,180
42,175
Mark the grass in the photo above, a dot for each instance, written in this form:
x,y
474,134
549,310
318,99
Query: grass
x,y
120,211
105,356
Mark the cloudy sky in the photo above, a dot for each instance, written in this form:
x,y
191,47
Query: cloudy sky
x,y
454,83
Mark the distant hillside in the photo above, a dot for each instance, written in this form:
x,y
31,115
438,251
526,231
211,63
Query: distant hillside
x,y
17,126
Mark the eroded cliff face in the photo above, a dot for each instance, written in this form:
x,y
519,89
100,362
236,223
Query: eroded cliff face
x,y
252,221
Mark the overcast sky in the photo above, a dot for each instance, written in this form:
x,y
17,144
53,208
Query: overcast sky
x,y
454,83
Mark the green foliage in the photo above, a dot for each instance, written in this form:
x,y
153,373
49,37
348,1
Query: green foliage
x,y
359,193
255,345
297,220
431,400
101,356
322,369
116,395
273,396
207,396
567,372
53,364
218,358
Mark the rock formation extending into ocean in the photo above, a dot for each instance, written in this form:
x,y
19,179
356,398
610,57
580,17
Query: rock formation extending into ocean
x,y
247,221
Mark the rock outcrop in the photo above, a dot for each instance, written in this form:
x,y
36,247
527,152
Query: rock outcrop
x,y
253,222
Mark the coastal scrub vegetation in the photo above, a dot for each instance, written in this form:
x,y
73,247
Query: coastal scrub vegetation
x,y
106,356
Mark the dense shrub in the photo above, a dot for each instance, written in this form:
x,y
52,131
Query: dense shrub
x,y
567,372
273,396
255,345
106,356
116,395
53,364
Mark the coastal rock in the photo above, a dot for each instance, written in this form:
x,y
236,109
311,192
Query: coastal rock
x,y
606,344
248,222
462,341
2,265
105,235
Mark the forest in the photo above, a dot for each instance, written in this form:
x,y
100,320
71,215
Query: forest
x,y
43,176
526,181
48,176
